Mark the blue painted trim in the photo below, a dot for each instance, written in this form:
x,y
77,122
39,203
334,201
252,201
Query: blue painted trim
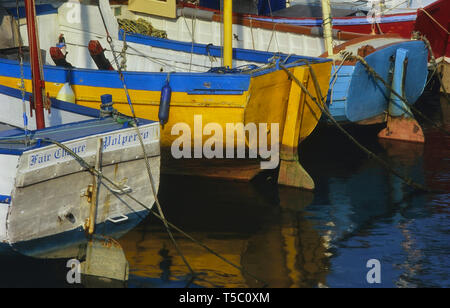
x,y
60,133
41,9
350,21
239,54
15,152
147,81
214,92
65,106
5,199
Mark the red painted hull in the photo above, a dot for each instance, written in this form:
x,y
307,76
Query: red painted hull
x,y
437,30
403,28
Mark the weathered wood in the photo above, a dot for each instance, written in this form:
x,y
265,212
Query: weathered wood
x,y
95,187
105,258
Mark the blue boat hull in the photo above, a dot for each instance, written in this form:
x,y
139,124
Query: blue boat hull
x,y
356,96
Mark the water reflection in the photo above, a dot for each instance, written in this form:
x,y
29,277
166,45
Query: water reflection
x,y
291,238
276,244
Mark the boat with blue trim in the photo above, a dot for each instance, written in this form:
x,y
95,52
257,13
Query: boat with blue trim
x,y
53,192
258,93
347,103
46,195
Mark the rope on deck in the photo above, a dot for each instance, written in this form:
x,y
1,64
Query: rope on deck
x,y
140,26
323,107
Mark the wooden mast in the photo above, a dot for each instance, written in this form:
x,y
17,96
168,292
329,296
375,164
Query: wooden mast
x,y
36,65
228,33
327,26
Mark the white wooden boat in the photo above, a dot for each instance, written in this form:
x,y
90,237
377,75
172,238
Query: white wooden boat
x,y
45,193
50,199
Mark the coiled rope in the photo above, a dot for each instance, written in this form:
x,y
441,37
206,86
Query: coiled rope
x,y
140,26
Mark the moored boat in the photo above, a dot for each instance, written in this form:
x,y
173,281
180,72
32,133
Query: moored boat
x,y
46,194
347,104
50,197
404,18
253,96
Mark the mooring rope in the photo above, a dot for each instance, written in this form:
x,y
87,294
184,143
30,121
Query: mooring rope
x,y
372,72
433,63
118,191
22,75
141,141
323,107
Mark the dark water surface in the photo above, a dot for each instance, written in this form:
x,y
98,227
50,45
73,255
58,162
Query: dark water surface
x,y
292,238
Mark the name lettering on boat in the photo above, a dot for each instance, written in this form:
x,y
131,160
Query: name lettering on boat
x,y
112,142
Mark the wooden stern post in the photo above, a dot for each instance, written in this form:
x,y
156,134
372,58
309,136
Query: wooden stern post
x,y
291,171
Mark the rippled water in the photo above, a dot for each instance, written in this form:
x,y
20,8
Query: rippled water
x,y
290,238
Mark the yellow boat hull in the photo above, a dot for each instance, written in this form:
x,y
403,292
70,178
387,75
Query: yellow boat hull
x,y
271,98
266,101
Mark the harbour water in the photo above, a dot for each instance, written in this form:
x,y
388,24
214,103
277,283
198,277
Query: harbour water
x,y
285,237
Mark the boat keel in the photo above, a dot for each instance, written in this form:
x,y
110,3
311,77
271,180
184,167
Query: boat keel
x,y
403,129
293,174
401,124
105,258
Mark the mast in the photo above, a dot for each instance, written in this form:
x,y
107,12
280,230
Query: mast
x,y
228,33
36,65
327,26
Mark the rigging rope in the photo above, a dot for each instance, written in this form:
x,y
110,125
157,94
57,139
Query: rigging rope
x,y
433,19
118,190
371,71
141,141
323,107
22,76
433,62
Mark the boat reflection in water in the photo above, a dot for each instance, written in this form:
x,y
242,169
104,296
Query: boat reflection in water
x,y
292,238
243,223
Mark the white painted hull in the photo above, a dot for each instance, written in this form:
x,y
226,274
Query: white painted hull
x,y
48,190
145,58
253,38
12,111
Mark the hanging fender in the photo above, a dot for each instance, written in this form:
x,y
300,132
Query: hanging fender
x,y
164,104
